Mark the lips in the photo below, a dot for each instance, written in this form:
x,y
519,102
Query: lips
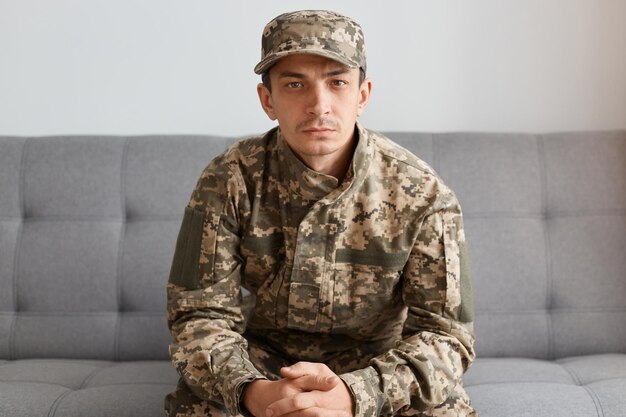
x,y
318,130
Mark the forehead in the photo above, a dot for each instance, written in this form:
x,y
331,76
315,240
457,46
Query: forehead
x,y
308,63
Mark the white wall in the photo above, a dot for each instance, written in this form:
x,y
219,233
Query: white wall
x,y
165,66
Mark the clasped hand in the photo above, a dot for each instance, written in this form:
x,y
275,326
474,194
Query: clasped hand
x,y
306,390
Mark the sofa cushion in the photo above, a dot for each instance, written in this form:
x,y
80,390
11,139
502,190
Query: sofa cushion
x,y
582,386
56,387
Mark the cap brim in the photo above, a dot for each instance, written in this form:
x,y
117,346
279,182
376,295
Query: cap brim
x,y
270,60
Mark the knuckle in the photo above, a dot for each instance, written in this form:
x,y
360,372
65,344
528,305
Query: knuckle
x,y
298,402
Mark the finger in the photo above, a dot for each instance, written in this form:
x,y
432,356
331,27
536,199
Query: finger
x,y
318,412
305,368
298,369
316,382
291,404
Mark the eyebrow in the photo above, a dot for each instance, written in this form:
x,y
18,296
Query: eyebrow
x,y
300,76
290,74
337,72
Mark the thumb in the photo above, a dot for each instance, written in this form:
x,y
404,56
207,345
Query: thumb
x,y
304,368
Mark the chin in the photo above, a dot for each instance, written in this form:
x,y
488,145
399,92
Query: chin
x,y
318,150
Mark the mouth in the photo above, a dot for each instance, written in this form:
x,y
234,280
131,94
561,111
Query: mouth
x,y
318,130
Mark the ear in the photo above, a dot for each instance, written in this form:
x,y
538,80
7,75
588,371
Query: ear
x,y
364,95
265,97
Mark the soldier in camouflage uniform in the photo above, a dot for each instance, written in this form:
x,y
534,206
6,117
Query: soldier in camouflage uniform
x,y
353,250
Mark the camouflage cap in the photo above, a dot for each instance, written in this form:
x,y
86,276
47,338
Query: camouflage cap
x,y
319,32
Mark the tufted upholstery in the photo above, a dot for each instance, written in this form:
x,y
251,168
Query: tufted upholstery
x,y
88,226
88,231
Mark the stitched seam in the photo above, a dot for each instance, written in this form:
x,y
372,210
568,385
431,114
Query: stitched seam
x,y
616,310
18,245
596,400
89,219
55,405
12,337
129,383
99,219
22,179
407,163
503,215
548,253
14,219
613,378
36,382
120,252
84,313
572,374
56,360
539,215
589,310
465,384
589,212
543,173
92,374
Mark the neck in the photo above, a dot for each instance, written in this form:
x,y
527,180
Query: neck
x,y
335,164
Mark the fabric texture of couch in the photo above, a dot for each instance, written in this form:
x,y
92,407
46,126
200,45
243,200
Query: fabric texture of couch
x,y
88,226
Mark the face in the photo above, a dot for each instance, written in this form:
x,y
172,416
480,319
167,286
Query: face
x,y
316,101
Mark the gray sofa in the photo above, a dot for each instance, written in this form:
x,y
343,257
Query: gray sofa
x,y
87,232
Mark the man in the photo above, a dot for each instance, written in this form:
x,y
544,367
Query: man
x,y
353,249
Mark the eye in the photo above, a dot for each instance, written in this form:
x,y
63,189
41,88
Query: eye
x,y
295,84
339,83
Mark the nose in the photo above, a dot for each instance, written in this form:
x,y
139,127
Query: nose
x,y
319,100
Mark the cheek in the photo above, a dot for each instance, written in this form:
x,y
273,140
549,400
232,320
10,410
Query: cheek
x,y
283,114
349,108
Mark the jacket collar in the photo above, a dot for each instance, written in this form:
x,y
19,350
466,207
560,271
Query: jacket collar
x,y
312,185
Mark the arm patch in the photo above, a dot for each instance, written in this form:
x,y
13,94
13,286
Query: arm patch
x,y
466,315
185,265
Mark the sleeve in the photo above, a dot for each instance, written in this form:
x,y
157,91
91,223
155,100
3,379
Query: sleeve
x,y
437,344
205,313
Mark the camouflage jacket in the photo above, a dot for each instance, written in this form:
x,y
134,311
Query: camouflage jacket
x,y
368,275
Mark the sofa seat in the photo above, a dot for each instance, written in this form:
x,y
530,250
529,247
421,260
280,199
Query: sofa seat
x,y
585,386
68,387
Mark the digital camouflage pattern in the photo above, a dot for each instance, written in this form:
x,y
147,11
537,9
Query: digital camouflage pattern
x,y
368,276
319,32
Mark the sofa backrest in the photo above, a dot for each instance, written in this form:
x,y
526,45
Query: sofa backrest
x,y
87,232
88,226
546,224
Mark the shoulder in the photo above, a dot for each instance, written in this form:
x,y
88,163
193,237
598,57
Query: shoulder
x,y
226,175
391,153
400,165
244,154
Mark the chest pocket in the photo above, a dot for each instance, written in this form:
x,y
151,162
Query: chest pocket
x,y
262,256
367,297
